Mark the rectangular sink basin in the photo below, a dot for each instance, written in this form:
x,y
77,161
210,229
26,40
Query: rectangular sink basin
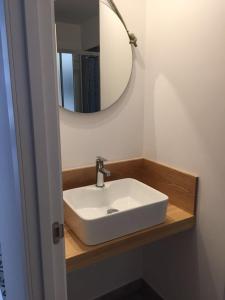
x,y
97,215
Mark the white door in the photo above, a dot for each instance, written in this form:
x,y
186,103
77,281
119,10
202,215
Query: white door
x,y
30,165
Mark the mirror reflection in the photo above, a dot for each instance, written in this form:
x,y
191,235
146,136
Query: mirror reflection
x,y
77,27
94,55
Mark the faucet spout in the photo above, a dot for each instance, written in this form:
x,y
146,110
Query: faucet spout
x,y
105,172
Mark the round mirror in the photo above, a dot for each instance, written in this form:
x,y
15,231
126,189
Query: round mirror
x,y
94,55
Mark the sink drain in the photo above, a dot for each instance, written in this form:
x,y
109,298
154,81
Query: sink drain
x,y
111,211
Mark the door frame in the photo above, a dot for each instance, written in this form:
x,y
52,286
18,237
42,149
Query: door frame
x,y
30,33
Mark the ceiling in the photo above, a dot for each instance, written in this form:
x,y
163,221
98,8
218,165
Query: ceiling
x,y
75,11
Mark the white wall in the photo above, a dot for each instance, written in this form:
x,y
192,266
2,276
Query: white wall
x,y
90,33
103,277
184,127
76,37
68,36
116,133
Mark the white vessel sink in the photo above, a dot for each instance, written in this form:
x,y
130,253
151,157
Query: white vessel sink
x,y
97,215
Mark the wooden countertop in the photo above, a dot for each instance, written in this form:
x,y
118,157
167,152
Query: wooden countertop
x,y
79,255
181,188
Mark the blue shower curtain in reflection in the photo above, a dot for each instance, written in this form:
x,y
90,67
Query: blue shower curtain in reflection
x,y
90,84
2,281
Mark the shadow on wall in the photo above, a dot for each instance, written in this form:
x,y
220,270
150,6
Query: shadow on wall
x,y
185,111
192,263
105,276
180,259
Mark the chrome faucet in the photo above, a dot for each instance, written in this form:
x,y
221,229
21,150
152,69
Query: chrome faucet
x,y
101,171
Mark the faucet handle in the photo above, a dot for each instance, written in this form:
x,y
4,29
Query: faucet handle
x,y
100,158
